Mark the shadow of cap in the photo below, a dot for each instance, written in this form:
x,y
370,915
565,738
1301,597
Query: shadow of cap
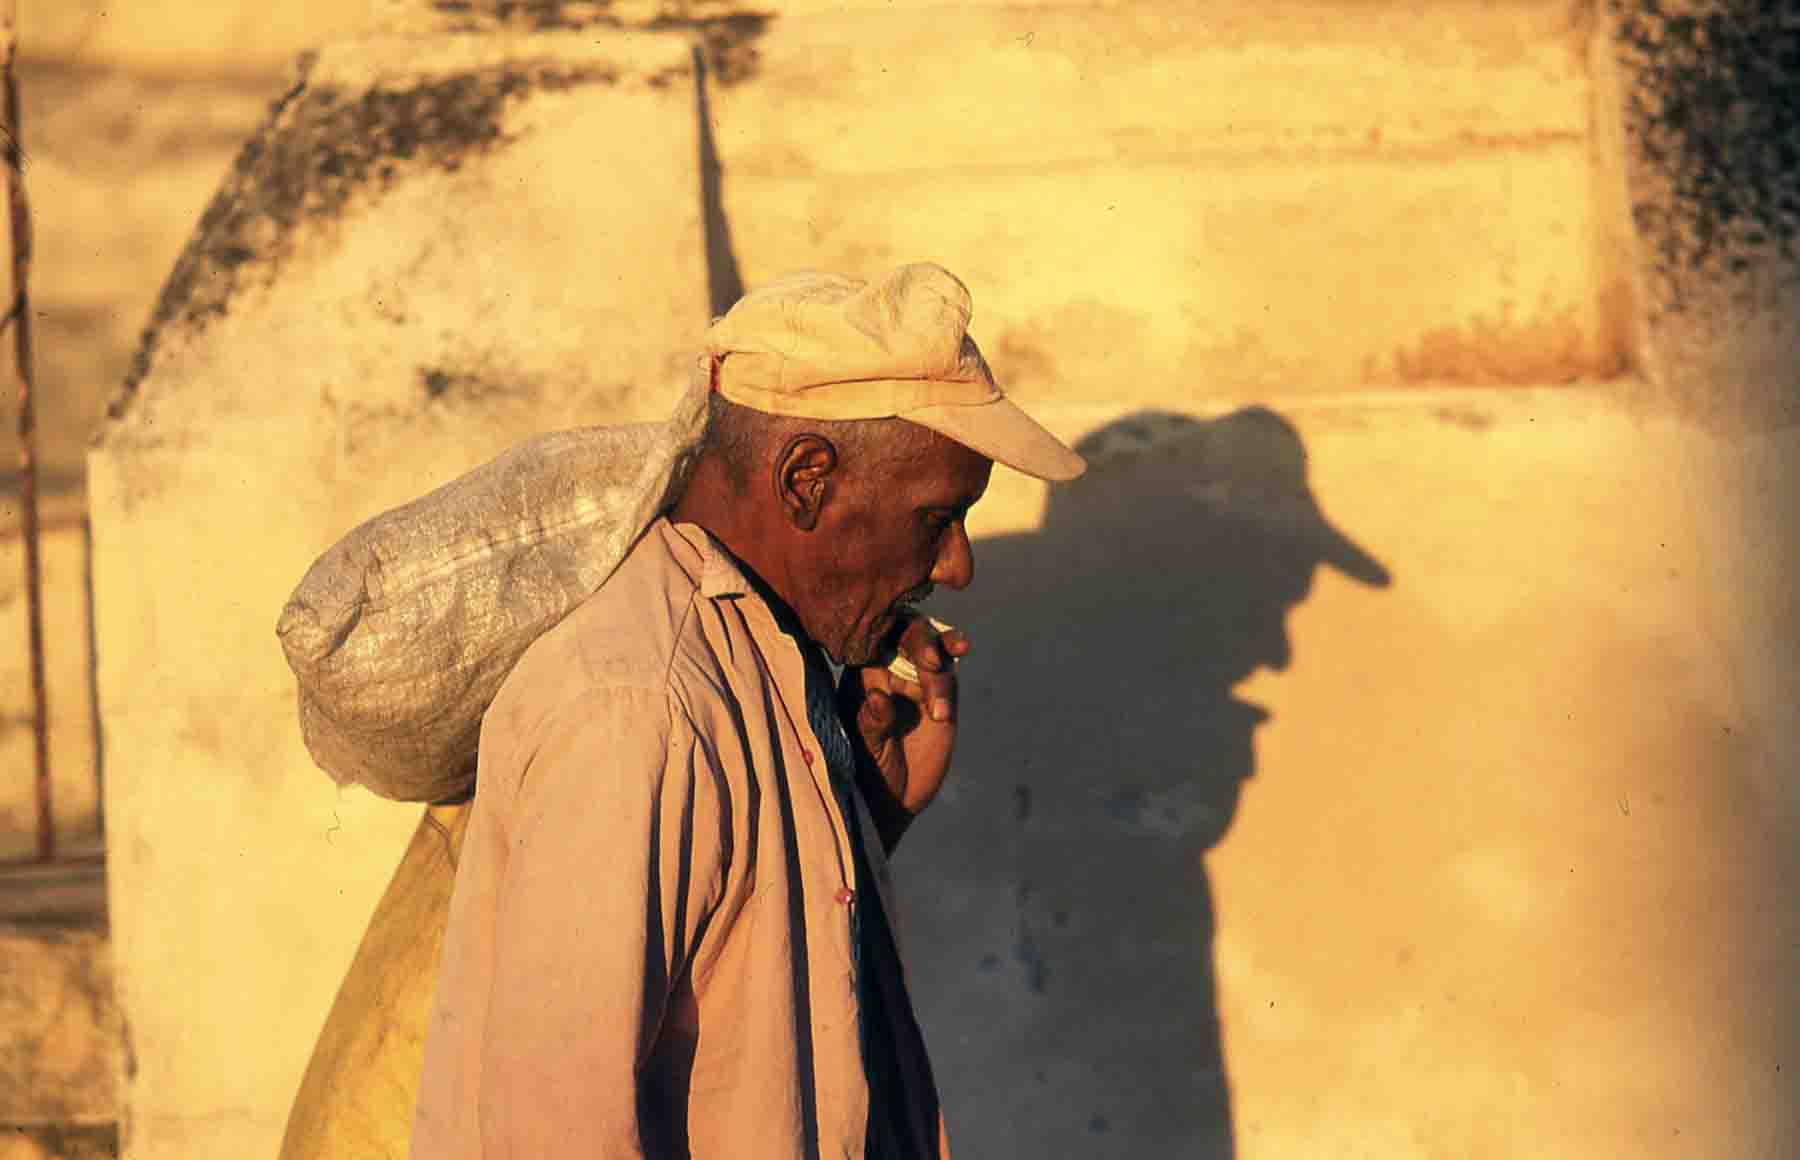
x,y
1248,465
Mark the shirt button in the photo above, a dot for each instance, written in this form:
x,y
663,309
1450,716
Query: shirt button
x,y
845,895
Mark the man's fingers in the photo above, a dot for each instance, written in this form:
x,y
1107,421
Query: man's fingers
x,y
876,713
927,660
937,692
928,645
888,709
934,651
919,644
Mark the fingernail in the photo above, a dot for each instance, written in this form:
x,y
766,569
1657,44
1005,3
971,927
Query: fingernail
x,y
940,710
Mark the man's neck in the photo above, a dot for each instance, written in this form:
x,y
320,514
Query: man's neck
x,y
712,504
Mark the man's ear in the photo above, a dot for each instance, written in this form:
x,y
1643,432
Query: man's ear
x,y
802,479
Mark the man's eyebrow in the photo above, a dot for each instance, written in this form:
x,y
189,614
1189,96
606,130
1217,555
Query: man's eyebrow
x,y
957,505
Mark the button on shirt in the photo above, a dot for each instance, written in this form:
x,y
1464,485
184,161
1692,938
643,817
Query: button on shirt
x,y
647,955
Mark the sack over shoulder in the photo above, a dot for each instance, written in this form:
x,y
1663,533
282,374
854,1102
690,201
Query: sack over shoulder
x,y
402,632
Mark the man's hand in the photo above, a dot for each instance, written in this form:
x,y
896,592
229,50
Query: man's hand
x,y
907,729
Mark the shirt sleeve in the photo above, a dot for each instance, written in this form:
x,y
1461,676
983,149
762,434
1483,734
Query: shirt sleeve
x,y
616,856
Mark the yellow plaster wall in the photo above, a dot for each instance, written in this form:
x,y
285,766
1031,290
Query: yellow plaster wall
x,y
1511,872
1288,197
1508,879
186,38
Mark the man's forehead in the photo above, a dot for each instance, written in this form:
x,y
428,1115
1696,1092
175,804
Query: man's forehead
x,y
949,473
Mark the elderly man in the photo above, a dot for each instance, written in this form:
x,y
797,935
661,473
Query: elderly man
x,y
672,928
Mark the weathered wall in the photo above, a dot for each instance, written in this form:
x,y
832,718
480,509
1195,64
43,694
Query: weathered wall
x,y
1709,100
1130,149
187,40
1286,197
1116,174
1508,879
342,334
131,112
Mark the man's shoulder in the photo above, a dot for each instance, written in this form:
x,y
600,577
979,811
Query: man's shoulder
x,y
622,636
636,635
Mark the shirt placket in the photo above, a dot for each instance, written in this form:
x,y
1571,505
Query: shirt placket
x,y
845,795
794,676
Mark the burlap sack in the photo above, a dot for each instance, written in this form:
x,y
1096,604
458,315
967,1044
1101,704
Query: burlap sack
x,y
401,633
357,1098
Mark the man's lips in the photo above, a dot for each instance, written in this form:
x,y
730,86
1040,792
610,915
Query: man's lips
x,y
910,601
901,610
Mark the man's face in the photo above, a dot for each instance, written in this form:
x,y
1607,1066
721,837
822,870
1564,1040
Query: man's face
x,y
890,532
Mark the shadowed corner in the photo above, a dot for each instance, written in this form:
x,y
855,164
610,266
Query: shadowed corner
x,y
1110,755
724,284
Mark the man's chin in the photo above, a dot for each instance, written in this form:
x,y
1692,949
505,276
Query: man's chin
x,y
875,644
870,648
861,653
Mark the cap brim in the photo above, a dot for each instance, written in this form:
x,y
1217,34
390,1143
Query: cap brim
x,y
1340,552
1005,434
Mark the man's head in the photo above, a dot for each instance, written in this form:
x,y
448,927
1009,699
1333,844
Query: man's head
x,y
851,521
851,427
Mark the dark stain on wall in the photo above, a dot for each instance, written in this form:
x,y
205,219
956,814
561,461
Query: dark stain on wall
x,y
1712,115
726,35
320,150
454,386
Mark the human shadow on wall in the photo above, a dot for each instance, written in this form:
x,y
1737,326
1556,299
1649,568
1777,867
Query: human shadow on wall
x,y
1059,918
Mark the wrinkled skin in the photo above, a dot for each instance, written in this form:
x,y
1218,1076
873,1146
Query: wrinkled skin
x,y
886,536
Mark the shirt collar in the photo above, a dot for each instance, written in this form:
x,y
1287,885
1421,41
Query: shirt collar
x,y
721,577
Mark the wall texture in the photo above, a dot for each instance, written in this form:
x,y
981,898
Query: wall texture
x,y
1508,877
1710,113
1495,861
1291,197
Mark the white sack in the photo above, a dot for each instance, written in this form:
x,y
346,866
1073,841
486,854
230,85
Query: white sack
x,y
401,633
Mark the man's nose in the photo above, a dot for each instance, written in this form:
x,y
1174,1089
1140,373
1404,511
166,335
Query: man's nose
x,y
956,559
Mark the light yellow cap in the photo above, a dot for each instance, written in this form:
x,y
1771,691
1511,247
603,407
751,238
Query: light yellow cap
x,y
823,346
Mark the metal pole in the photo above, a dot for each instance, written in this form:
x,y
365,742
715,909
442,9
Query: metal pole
x,y
20,317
